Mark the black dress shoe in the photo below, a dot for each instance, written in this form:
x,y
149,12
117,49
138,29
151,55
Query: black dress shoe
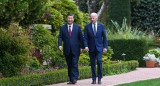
x,y
69,82
99,82
93,82
73,82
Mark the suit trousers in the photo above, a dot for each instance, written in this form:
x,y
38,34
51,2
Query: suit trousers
x,y
72,63
93,59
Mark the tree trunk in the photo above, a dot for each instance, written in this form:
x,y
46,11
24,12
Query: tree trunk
x,y
103,7
89,11
91,5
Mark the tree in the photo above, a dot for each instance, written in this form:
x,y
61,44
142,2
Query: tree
x,y
90,6
59,10
103,7
24,12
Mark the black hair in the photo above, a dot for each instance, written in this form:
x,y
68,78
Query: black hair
x,y
70,14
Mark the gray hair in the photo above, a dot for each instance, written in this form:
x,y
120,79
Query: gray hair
x,y
94,14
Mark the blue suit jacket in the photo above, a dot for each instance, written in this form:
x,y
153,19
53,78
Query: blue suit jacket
x,y
99,41
73,43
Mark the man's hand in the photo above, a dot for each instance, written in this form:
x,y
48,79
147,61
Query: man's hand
x,y
60,48
104,50
81,50
87,49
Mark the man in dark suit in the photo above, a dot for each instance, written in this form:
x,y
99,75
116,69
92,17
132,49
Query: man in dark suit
x,y
95,42
72,38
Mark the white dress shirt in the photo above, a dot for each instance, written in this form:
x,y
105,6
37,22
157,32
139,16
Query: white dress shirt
x,y
95,26
71,27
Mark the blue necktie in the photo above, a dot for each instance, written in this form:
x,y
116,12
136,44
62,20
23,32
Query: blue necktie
x,y
94,29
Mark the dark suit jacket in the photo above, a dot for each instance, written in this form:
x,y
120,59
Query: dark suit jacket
x,y
99,41
73,43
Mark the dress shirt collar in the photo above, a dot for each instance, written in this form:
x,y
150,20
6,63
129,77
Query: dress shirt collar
x,y
70,25
95,26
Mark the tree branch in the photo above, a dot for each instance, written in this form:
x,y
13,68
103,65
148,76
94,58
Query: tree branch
x,y
103,7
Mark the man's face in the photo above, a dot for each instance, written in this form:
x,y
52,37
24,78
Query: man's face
x,y
93,18
70,20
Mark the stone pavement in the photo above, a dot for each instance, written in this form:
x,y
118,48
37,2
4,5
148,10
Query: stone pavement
x,y
137,75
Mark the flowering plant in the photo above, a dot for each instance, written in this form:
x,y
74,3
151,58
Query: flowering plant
x,y
149,57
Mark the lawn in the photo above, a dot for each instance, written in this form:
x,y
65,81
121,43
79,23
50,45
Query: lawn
x,y
150,82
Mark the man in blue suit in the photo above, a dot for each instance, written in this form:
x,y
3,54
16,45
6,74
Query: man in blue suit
x,y
72,38
95,42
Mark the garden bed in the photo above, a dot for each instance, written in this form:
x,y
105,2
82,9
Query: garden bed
x,y
62,76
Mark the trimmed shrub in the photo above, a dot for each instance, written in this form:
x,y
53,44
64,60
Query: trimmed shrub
x,y
61,75
133,48
117,10
122,67
146,15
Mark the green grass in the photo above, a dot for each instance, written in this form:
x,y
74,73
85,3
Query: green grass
x,y
150,82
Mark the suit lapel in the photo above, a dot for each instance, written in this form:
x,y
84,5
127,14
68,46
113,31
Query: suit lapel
x,y
98,28
73,29
91,29
66,30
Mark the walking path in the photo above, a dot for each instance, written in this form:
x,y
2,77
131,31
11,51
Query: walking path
x,y
137,75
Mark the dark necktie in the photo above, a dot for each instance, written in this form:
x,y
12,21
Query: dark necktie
x,y
70,32
94,29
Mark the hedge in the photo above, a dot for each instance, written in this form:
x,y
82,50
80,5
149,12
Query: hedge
x,y
133,48
61,75
117,10
146,14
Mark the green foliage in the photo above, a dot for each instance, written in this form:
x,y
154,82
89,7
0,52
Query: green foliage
x,y
131,41
104,16
84,59
127,32
58,57
117,10
106,57
56,19
35,64
43,40
133,48
156,52
137,1
47,44
146,14
24,12
41,36
15,48
84,8
58,76
122,67
59,10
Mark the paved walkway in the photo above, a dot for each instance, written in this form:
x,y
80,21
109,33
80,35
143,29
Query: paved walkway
x,y
137,75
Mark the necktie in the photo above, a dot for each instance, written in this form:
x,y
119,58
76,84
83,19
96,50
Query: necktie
x,y
70,32
94,29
